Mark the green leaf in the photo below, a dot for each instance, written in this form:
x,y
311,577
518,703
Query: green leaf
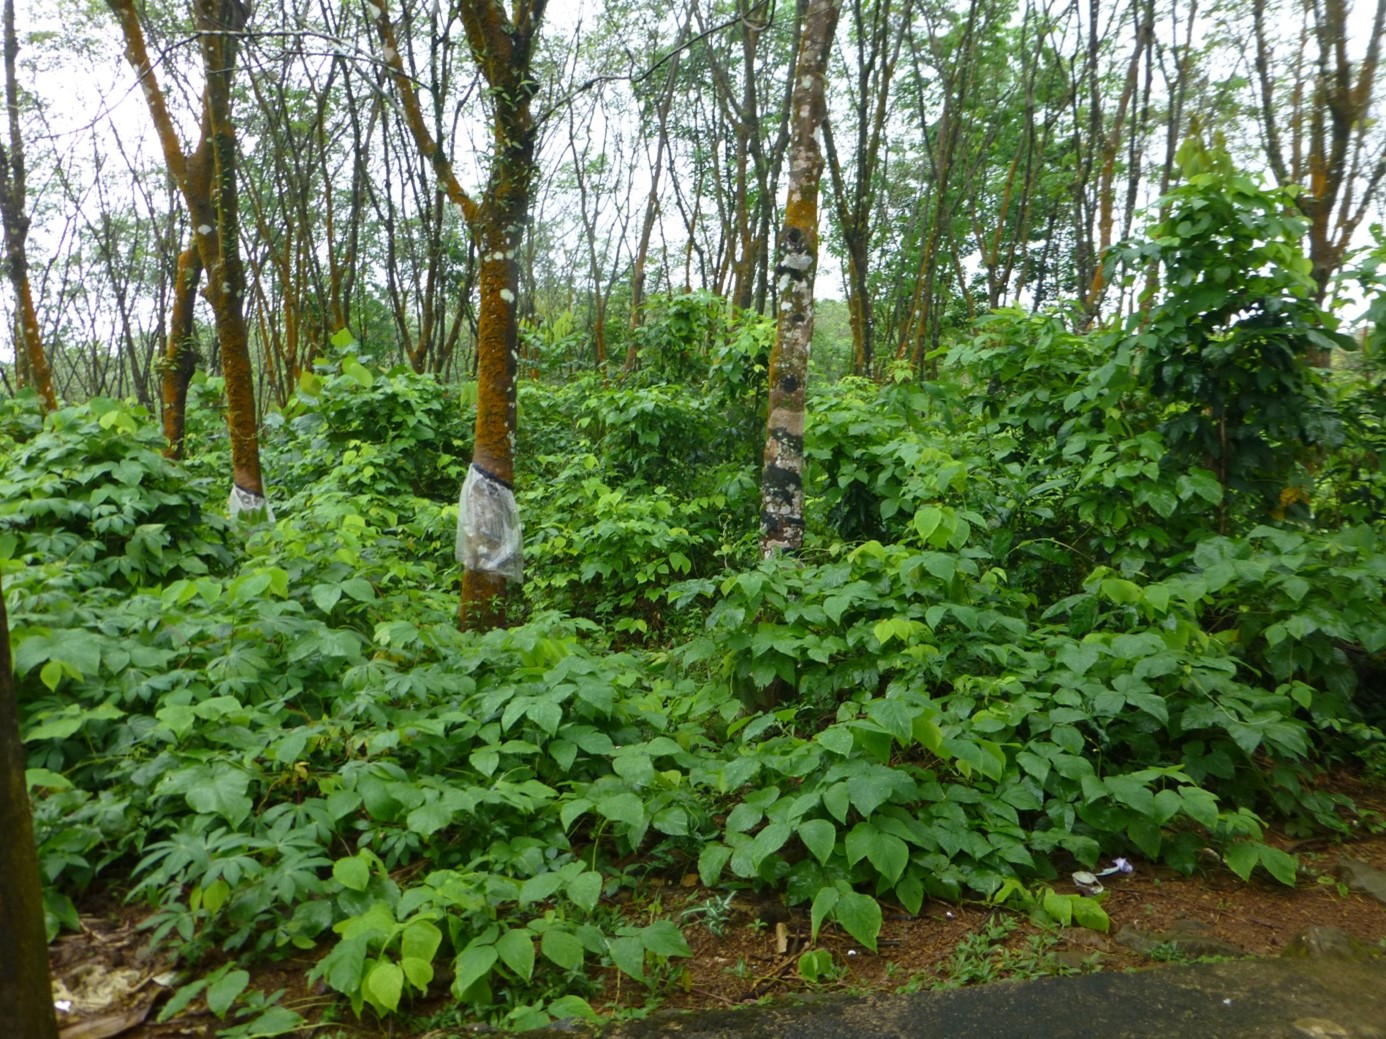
x,y
354,873
222,992
663,938
516,950
860,916
628,954
357,372
326,596
572,1006
45,779
1241,858
836,738
622,808
768,841
889,855
562,948
429,818
1088,912
711,861
473,964
220,789
586,889
274,1022
359,589
421,940
1283,866
384,985
1058,907
823,904
819,837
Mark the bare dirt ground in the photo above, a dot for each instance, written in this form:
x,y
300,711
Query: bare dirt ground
x,y
1157,915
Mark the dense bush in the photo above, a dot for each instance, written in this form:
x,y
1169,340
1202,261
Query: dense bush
x,y
1012,643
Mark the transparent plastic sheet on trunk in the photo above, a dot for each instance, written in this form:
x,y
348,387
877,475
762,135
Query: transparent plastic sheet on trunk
x,y
248,505
488,527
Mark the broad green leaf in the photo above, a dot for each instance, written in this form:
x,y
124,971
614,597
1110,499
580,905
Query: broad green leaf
x,y
1088,912
326,596
1283,866
768,841
628,953
1241,858
823,903
889,855
429,818
562,948
586,889
473,964
421,940
384,985
1058,907
622,808
354,873
220,789
860,916
516,950
711,861
663,938
540,888
222,992
819,837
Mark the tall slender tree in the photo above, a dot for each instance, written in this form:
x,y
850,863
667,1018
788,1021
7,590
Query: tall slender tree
x,y
15,216
206,178
502,45
26,992
782,480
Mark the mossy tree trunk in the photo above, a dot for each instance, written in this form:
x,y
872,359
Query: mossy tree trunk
x,y
25,987
501,42
180,356
16,228
782,480
206,178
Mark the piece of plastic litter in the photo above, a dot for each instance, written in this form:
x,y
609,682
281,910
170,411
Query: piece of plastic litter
x,y
1087,883
248,504
489,538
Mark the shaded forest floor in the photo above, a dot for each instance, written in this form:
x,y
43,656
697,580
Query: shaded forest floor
x,y
746,950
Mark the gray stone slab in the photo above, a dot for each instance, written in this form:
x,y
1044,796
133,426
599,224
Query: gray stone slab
x,y
1247,999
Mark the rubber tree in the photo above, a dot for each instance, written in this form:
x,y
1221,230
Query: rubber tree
x,y
1337,158
782,479
26,990
502,46
206,178
16,226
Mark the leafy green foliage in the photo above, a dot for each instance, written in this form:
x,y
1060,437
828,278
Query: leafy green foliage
x,y
1011,644
1226,341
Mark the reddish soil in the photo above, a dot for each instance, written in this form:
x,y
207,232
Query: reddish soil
x,y
754,959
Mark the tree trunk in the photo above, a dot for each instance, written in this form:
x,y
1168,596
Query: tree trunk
x,y
26,989
16,223
782,480
207,181
180,358
489,543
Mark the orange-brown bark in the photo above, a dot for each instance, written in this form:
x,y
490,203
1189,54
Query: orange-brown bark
x,y
25,983
16,228
180,356
501,45
207,182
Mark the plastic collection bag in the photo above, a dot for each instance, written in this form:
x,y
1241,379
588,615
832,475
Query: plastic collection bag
x,y
488,526
247,504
